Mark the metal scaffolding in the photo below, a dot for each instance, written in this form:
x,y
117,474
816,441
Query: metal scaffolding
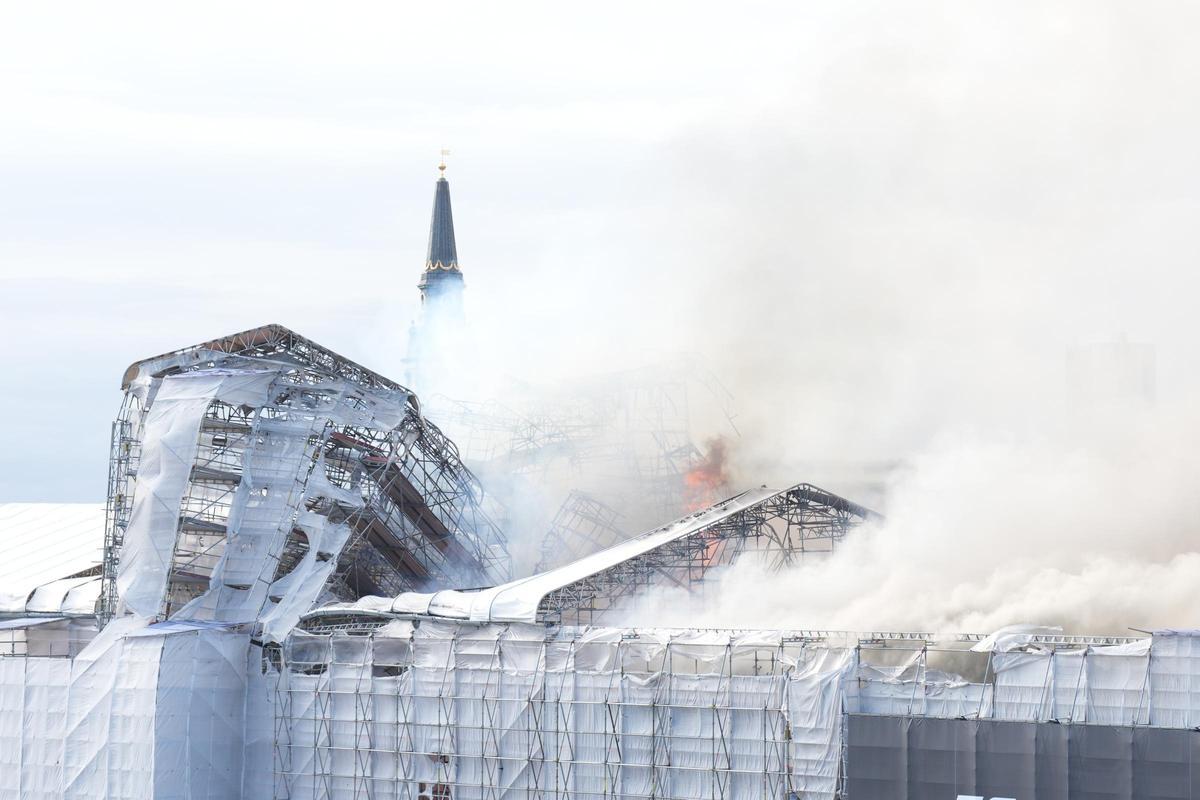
x,y
331,452
405,706
582,525
782,528
627,439
464,711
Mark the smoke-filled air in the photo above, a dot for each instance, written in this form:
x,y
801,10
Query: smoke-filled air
x,y
919,279
937,258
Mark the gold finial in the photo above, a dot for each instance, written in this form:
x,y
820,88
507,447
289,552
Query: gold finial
x,y
442,165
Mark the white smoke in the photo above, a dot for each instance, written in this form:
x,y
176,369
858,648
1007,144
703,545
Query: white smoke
x,y
1097,531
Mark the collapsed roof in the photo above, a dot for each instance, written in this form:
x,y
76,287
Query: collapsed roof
x,y
256,475
781,525
260,476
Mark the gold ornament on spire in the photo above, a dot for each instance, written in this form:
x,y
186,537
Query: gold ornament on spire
x,y
442,165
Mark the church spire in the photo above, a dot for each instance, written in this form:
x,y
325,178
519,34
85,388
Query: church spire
x,y
443,254
442,280
436,335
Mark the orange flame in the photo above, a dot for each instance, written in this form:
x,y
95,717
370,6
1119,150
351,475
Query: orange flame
x,y
704,483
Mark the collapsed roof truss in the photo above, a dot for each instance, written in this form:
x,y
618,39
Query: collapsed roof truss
x,y
782,527
332,462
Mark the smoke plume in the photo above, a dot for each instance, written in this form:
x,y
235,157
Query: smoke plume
x,y
1095,529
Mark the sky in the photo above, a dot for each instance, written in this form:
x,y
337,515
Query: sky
x,y
880,225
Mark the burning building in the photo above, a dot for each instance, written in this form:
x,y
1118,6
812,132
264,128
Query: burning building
x,y
296,589
300,596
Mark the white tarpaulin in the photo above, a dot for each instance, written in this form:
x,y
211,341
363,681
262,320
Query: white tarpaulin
x,y
142,712
170,441
445,709
465,711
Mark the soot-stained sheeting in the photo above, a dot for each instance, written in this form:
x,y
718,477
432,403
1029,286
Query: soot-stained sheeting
x,y
911,758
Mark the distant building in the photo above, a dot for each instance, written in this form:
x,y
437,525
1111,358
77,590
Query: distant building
x,y
439,324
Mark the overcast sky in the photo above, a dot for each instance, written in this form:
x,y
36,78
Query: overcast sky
x,y
874,220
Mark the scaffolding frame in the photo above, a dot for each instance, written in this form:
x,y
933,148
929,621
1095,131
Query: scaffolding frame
x,y
582,525
783,528
626,438
481,715
413,509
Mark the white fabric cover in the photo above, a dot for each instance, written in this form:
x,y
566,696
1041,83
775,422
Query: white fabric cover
x,y
170,442
1175,679
138,714
471,711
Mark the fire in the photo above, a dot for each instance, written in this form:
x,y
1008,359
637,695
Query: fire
x,y
704,483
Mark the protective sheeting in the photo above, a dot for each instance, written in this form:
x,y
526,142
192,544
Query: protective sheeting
x,y
1175,679
71,597
61,637
1125,684
170,441
518,601
1013,637
1104,685
911,689
442,709
249,488
907,758
142,712
464,711
45,542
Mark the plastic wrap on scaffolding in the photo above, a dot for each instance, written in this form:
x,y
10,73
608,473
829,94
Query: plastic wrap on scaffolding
x,y
255,475
463,711
142,712
170,442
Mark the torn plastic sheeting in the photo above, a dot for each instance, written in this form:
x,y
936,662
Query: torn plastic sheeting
x,y
268,498
814,712
172,626
265,501
169,444
1013,637
300,588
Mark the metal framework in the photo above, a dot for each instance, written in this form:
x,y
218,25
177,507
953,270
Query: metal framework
x,y
626,439
582,525
490,711
782,528
265,342
407,509
478,713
